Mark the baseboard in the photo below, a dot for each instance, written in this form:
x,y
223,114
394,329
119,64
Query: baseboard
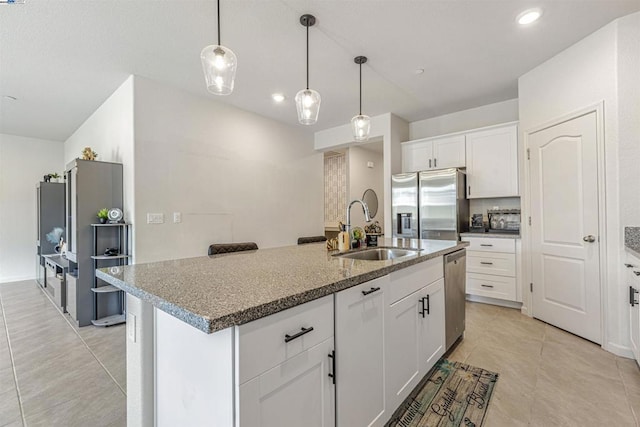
x,y
494,301
524,310
16,279
618,350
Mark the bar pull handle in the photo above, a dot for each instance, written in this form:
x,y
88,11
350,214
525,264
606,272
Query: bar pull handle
x,y
303,331
428,306
429,163
421,312
435,163
637,273
632,296
486,286
486,263
628,265
370,291
332,374
486,244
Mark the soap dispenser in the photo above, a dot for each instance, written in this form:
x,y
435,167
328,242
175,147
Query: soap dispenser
x,y
343,239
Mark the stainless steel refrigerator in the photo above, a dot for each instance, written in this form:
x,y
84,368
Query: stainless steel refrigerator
x,y
429,205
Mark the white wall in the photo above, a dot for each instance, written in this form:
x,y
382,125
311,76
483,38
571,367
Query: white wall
x,y
235,176
23,163
629,118
109,132
486,115
596,69
361,178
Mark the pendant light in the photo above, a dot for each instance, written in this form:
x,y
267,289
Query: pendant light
x,y
361,124
219,64
308,100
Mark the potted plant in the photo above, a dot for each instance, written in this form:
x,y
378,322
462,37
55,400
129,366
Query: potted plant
x,y
54,177
103,215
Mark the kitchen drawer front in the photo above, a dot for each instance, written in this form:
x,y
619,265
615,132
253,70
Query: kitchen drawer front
x,y
488,285
408,280
497,263
262,343
488,244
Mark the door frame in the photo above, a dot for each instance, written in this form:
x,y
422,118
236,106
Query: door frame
x,y
598,109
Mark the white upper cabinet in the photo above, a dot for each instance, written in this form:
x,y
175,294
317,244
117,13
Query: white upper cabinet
x,y
434,153
492,162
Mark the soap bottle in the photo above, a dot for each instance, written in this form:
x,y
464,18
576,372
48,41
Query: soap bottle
x,y
343,239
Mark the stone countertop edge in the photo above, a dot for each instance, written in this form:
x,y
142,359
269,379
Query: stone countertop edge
x,y
491,235
632,240
209,325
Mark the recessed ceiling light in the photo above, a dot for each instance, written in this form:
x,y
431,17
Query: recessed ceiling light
x,y
529,16
419,70
10,98
278,97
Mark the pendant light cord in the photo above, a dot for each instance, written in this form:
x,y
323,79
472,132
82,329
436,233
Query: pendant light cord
x,y
360,88
219,23
307,55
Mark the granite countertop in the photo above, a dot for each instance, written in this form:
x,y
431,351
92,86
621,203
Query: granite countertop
x,y
215,292
632,240
493,235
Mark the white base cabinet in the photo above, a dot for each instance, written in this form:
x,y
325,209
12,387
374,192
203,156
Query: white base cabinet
x,y
286,369
632,282
414,328
492,268
360,319
298,392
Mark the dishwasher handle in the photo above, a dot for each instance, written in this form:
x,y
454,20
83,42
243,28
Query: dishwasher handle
x,y
454,256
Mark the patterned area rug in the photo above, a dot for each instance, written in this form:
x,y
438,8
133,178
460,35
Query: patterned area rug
x,y
453,395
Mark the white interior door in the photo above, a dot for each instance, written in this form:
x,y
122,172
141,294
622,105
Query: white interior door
x,y
564,230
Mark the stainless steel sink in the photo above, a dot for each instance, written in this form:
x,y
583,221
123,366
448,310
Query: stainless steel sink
x,y
379,254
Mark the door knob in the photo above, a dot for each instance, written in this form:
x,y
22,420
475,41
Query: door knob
x,y
589,238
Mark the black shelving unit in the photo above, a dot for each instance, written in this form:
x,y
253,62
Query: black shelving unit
x,y
108,301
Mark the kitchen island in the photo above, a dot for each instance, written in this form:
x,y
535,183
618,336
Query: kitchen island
x,y
248,338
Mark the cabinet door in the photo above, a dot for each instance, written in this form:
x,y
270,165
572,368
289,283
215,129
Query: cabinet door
x,y
492,162
633,281
360,354
416,156
402,348
299,392
449,152
432,327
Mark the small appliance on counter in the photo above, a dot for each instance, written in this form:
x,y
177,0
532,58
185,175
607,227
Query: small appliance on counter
x,y
504,220
477,223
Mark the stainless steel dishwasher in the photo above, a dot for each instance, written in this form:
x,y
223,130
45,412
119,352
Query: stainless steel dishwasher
x,y
455,269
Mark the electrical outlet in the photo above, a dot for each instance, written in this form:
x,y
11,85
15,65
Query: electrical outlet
x,y
155,218
177,217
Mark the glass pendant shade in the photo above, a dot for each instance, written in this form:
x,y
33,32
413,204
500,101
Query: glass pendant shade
x,y
361,126
308,105
219,64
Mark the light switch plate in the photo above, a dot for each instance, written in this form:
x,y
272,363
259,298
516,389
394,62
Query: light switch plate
x,y
155,218
177,217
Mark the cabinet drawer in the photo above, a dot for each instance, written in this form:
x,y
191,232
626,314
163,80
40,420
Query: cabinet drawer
x,y
497,263
491,286
408,280
262,342
488,244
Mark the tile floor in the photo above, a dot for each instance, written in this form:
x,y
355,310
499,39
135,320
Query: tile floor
x,y
54,374
548,377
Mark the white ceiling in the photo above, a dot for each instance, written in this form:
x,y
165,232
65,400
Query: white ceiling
x,y
63,58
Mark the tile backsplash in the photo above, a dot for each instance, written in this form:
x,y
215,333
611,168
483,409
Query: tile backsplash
x,y
482,205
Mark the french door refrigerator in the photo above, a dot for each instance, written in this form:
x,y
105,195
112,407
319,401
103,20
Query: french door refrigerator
x,y
429,205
